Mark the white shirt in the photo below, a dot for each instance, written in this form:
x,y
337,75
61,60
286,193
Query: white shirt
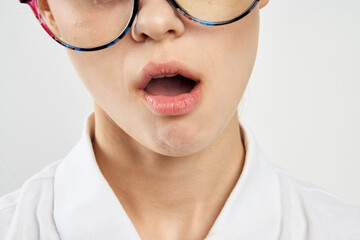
x,y
71,200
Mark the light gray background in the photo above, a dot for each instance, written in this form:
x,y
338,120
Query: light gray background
x,y
302,101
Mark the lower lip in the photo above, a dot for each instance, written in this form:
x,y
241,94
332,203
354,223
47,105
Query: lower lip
x,y
174,105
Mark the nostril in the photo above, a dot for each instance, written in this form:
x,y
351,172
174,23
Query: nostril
x,y
136,35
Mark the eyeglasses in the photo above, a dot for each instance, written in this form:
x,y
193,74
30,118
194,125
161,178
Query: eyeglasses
x,y
90,25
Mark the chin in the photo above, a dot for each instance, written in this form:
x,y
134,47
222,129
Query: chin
x,y
179,146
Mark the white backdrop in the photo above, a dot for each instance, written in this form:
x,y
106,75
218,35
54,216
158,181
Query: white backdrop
x,y
302,101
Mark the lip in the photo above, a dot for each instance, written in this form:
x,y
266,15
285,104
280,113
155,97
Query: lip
x,y
169,105
153,69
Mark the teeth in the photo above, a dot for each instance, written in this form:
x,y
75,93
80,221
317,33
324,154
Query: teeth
x,y
165,75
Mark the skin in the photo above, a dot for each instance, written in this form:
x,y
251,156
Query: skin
x,y
172,174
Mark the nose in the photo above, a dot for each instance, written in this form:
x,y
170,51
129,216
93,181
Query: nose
x,y
156,20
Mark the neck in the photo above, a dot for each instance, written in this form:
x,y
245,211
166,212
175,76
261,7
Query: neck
x,y
153,186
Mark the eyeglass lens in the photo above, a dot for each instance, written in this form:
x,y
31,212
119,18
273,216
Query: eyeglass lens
x,y
215,10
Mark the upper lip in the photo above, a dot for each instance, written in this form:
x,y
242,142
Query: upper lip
x,y
153,69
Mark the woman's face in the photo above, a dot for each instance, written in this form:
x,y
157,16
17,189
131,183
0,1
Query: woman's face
x,y
221,57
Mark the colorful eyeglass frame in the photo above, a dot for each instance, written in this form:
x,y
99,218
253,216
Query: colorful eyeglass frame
x,y
33,5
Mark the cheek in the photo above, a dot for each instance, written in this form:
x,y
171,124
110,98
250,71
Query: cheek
x,y
236,52
88,23
102,75
231,57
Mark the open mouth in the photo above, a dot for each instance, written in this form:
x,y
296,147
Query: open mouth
x,y
169,85
170,88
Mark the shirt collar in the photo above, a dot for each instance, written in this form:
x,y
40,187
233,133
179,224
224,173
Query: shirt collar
x,y
85,207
